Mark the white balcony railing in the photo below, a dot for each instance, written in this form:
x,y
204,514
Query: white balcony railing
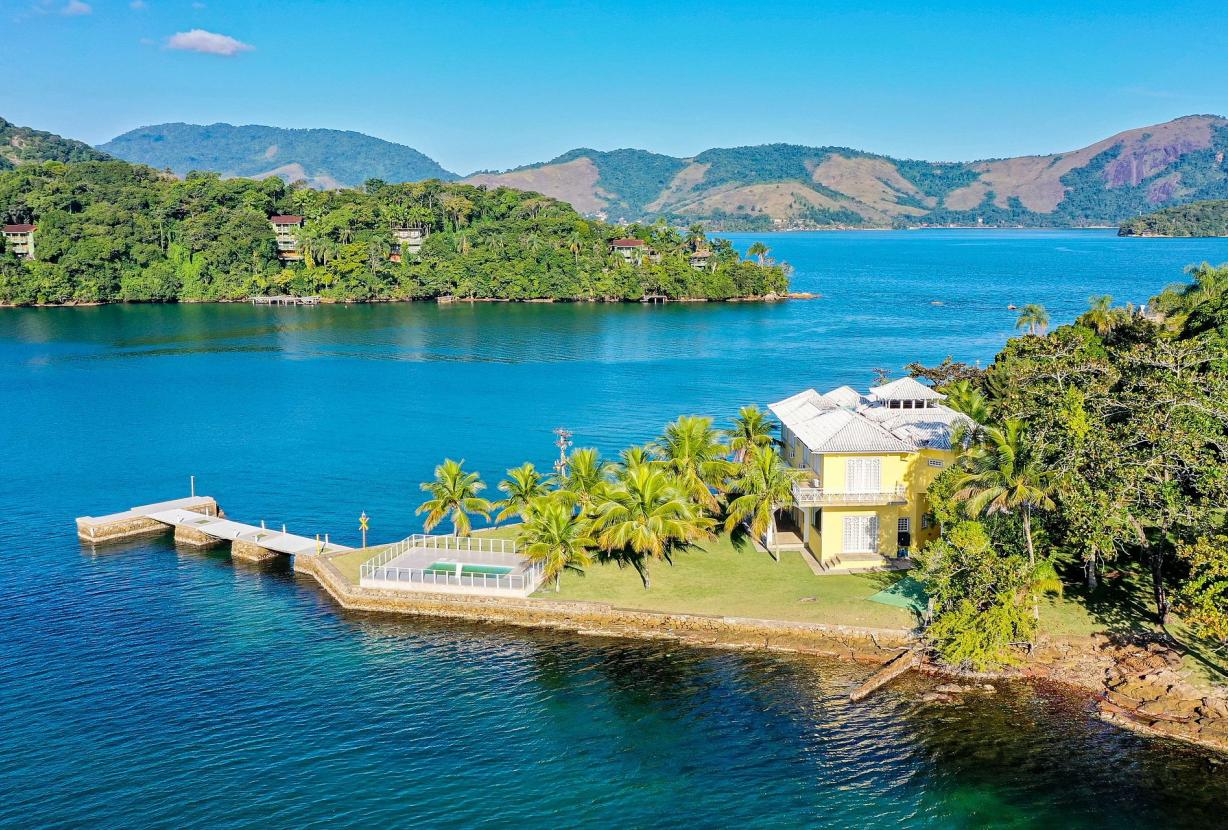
x,y
815,495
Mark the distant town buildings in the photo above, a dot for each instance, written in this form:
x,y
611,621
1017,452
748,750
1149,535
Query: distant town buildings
x,y
284,228
19,239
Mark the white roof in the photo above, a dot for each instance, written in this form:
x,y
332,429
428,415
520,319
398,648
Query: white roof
x,y
905,389
844,421
929,428
845,396
824,427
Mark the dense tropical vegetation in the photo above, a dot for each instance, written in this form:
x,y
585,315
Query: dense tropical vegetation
x,y
1099,448
1205,218
109,230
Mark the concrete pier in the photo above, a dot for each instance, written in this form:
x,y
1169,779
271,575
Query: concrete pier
x,y
199,522
136,521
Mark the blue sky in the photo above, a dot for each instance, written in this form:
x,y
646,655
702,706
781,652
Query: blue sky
x,y
493,85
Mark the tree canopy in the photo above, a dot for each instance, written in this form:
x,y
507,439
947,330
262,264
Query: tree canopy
x,y
113,231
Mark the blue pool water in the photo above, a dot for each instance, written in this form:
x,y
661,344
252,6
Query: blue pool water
x,y
145,686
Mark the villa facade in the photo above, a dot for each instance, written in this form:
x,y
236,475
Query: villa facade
x,y
19,239
285,231
869,460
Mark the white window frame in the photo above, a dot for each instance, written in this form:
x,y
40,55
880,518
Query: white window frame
x,y
903,525
926,521
863,475
936,462
860,534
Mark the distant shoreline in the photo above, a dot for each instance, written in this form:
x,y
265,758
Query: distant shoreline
x,y
792,295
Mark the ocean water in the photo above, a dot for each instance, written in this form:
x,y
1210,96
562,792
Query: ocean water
x,y
147,686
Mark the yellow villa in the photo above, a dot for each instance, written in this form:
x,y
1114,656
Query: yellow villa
x,y
869,460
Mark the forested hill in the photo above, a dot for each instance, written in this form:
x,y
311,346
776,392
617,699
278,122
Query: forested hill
x,y
322,158
791,186
1207,218
110,230
23,145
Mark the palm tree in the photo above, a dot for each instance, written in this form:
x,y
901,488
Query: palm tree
x,y
648,514
971,402
557,536
523,485
758,249
586,478
633,457
752,428
1034,318
692,449
454,494
1100,314
1000,478
764,485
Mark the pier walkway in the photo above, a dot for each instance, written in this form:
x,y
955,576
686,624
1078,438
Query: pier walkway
x,y
198,521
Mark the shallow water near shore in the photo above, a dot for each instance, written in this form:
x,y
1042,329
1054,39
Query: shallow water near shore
x,y
146,686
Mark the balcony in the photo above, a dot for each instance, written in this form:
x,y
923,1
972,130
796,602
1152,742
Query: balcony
x,y
811,494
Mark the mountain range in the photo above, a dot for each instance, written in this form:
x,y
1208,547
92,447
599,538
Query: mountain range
x,y
762,187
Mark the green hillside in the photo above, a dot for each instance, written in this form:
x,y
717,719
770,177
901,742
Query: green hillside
x,y
1205,218
23,145
324,158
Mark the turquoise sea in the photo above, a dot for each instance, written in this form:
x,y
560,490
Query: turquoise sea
x,y
145,686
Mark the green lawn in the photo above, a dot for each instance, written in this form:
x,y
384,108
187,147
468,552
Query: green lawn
x,y
349,563
728,578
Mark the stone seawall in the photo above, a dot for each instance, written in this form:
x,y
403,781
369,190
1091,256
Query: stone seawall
x,y
873,645
1096,667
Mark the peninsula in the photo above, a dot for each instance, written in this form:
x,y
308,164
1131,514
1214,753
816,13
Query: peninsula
x,y
109,231
1206,218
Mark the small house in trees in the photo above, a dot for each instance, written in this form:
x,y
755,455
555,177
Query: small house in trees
x,y
700,259
630,249
284,229
407,239
19,239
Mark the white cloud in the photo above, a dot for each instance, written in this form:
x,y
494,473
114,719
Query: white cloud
x,y
138,5
76,8
209,43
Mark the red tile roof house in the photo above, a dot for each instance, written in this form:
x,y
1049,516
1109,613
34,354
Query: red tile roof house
x,y
287,242
19,239
629,248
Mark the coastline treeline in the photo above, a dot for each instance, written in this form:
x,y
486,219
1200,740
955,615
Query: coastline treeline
x,y
1097,459
1206,218
112,231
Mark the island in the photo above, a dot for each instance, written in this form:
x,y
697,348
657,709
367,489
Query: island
x,y
1206,218
102,231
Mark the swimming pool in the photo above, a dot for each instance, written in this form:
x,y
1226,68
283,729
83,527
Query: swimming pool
x,y
449,568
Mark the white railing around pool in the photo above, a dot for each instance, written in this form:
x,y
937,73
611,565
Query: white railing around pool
x,y
498,552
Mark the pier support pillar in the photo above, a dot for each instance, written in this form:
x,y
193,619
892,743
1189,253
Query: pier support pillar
x,y
191,536
250,552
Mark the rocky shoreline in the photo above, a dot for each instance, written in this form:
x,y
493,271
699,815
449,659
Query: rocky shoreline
x,y
1136,682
